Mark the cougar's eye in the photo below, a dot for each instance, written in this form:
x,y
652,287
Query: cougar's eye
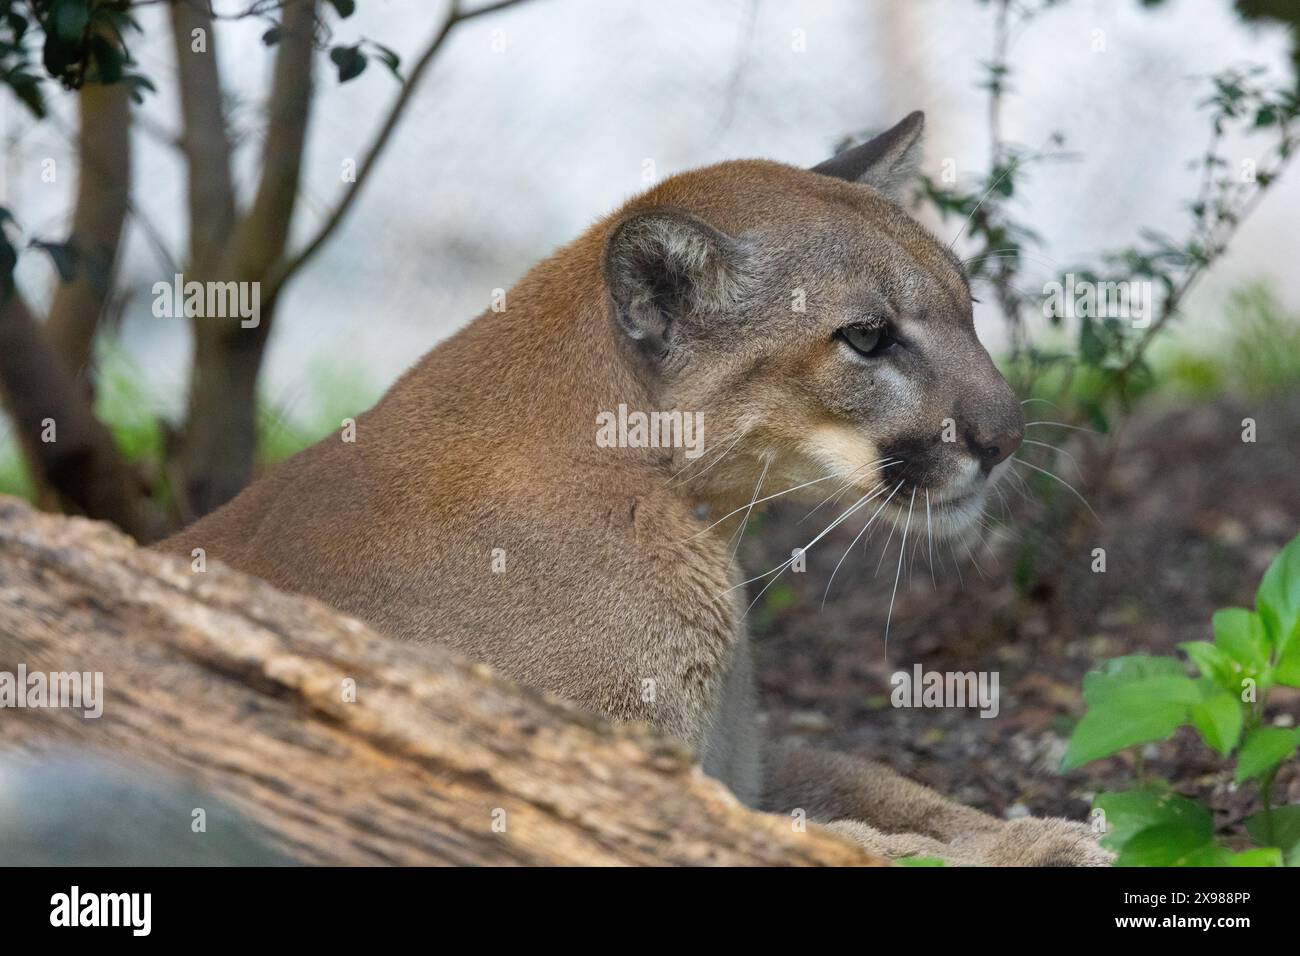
x,y
867,340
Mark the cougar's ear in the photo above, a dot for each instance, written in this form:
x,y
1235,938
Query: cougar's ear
x,y
887,162
662,265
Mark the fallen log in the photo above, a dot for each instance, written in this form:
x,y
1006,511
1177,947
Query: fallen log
x,y
339,745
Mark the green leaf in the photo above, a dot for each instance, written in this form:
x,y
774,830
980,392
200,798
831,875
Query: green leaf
x,y
1131,700
1264,749
1110,728
1287,669
1091,347
1240,634
1172,844
1132,811
8,259
351,62
69,19
109,60
1114,673
389,58
1159,690
919,861
1286,827
58,55
27,89
17,24
1267,856
1278,597
1218,719
345,8
136,85
1212,662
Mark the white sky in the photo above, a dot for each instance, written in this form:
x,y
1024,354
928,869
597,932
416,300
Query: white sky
x,y
504,155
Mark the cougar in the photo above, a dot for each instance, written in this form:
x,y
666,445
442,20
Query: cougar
x,y
822,338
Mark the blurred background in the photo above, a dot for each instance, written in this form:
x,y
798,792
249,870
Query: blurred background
x,y
380,167
535,120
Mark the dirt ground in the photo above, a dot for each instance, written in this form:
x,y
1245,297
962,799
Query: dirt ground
x,y
1189,517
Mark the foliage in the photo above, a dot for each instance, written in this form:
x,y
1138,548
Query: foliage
x,y
139,421
1137,699
1256,353
1088,358
80,41
1107,367
85,41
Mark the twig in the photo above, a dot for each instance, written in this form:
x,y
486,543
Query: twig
x,y
287,267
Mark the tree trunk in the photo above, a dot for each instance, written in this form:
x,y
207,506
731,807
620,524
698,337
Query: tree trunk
x,y
220,440
342,746
103,195
219,446
80,462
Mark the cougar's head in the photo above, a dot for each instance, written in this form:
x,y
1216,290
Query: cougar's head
x,y
823,334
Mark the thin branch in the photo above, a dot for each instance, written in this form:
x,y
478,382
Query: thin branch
x,y
290,265
1175,299
262,233
204,140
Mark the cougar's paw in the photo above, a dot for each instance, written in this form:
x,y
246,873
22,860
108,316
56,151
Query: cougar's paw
x,y
898,846
1038,841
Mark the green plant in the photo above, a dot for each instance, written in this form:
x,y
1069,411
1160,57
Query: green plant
x,y
1081,336
137,416
1137,699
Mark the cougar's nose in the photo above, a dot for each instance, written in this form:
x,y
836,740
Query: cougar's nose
x,y
996,440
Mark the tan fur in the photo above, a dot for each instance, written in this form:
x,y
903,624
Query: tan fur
x,y
616,594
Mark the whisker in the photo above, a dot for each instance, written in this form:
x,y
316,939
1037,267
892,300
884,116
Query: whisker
x,y
902,546
1055,477
1009,253
761,500
740,532
891,462
1077,428
1021,486
888,538
870,520
1011,167
1060,451
739,433
1006,508
989,529
970,554
929,534
785,564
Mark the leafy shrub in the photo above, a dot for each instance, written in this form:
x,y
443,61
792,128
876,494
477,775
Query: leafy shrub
x,y
1139,698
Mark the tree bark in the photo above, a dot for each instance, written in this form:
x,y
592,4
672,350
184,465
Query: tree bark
x,y
220,441
103,195
82,463
241,690
204,139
